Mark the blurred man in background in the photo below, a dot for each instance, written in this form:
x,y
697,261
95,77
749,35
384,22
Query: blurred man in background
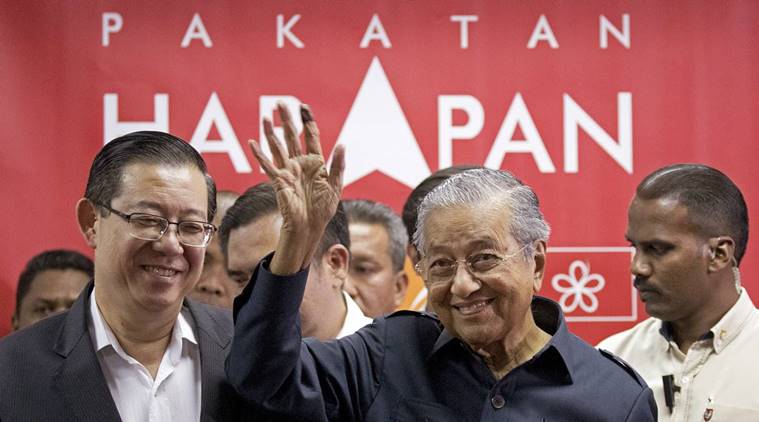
x,y
50,284
215,286
250,231
378,251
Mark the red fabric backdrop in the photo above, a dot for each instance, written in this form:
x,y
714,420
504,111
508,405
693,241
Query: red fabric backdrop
x,y
625,87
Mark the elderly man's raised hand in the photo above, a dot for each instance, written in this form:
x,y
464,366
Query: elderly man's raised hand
x,y
307,194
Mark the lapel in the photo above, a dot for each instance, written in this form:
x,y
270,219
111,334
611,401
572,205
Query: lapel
x,y
79,379
214,332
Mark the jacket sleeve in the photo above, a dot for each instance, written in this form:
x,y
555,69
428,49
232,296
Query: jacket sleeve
x,y
273,370
644,408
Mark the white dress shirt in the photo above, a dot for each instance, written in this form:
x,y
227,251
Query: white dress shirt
x,y
174,394
354,317
717,376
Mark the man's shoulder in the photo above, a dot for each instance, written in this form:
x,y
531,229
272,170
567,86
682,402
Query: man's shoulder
x,y
601,364
405,317
625,366
634,337
211,319
33,339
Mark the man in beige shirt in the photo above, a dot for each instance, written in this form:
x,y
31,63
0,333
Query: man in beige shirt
x,y
689,226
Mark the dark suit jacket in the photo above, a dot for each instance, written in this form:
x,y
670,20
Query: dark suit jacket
x,y
49,371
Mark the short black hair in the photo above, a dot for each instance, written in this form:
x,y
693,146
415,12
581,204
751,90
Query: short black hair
x,y
54,259
371,212
149,147
411,207
260,201
715,204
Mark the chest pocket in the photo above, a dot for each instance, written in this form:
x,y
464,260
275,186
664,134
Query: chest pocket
x,y
420,411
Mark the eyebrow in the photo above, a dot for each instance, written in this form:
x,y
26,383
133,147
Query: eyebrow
x,y
157,207
483,243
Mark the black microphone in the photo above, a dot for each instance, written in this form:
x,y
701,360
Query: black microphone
x,y
669,391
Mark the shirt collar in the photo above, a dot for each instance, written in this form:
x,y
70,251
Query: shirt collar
x,y
731,324
354,317
103,337
554,360
725,330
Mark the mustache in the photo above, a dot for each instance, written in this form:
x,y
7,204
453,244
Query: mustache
x,y
642,283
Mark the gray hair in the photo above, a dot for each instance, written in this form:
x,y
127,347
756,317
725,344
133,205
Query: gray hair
x,y
370,212
483,186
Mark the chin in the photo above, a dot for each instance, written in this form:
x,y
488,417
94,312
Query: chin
x,y
476,337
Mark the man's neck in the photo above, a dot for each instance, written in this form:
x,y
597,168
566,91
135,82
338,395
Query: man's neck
x,y
515,349
143,335
328,324
689,330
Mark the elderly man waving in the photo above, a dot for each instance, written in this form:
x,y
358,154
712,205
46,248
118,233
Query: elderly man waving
x,y
496,353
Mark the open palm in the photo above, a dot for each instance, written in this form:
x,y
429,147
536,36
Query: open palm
x,y
307,194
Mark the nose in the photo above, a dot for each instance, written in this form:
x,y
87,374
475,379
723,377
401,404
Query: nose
x,y
169,242
209,286
464,283
639,266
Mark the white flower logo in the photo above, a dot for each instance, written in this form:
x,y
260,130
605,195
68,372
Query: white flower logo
x,y
577,286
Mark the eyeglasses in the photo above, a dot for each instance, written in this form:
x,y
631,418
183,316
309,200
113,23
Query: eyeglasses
x,y
152,227
443,270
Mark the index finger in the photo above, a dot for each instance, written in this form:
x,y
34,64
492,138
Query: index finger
x,y
313,145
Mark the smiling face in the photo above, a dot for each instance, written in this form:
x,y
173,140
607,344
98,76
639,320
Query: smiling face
x,y
133,276
671,259
488,309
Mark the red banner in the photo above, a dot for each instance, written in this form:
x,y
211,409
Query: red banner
x,y
579,99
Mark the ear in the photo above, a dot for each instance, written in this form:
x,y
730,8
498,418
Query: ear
x,y
335,260
87,217
721,253
14,322
539,256
400,285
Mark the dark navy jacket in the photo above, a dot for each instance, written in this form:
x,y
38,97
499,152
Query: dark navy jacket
x,y
406,367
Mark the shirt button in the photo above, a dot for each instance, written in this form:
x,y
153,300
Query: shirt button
x,y
497,401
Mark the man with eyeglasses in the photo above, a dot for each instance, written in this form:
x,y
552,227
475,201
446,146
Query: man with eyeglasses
x,y
131,347
497,352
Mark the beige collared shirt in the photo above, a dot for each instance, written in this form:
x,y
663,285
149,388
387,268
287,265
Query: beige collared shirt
x,y
174,394
354,317
718,377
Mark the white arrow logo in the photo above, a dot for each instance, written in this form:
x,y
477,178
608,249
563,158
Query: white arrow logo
x,y
377,135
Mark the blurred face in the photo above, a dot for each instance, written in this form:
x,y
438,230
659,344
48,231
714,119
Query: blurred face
x,y
671,259
137,276
250,243
51,292
481,310
215,286
372,281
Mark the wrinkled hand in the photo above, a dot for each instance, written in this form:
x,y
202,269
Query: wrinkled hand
x,y
307,195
